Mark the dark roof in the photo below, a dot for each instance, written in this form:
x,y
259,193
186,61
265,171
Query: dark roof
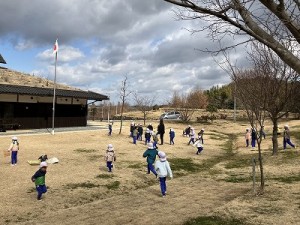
x,y
2,60
26,90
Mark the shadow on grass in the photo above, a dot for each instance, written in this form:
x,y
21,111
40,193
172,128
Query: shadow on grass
x,y
214,220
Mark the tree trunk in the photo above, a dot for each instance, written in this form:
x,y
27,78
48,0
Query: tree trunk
x,y
144,118
122,109
275,136
260,160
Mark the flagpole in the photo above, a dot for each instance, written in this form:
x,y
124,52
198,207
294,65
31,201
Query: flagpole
x,y
54,90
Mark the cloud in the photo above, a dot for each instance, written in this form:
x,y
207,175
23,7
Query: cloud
x,y
102,41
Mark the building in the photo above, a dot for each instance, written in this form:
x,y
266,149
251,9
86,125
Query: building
x,y
26,102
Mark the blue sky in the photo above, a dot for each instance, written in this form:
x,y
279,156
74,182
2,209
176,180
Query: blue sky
x,y
101,41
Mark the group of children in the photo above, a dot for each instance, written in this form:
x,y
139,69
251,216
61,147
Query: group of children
x,y
251,135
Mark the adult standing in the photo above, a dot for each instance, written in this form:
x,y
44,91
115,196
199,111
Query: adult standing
x,y
161,131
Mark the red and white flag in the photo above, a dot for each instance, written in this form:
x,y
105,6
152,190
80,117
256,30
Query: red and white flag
x,y
55,49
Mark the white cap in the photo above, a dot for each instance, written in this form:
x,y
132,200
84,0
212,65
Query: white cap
x,y
162,156
150,145
286,126
110,147
14,138
43,164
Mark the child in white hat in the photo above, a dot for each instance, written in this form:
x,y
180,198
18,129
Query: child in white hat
x,y
110,157
163,170
199,146
172,136
287,137
150,154
192,136
39,179
14,148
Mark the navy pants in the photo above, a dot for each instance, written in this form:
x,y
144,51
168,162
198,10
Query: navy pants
x,y
154,144
199,150
110,131
247,142
14,157
150,167
134,139
287,141
109,165
172,141
41,189
163,185
192,140
147,140
253,142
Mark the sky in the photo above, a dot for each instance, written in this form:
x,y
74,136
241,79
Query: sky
x,y
101,42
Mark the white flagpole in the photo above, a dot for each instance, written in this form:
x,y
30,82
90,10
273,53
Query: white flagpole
x,y
54,90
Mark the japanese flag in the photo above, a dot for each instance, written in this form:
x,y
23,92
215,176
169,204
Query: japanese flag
x,y
55,49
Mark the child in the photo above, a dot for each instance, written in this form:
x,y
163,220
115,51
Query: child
x,y
134,134
287,138
192,136
39,179
253,137
199,146
147,136
14,148
172,136
150,153
200,135
110,157
187,131
163,170
140,132
109,129
155,139
247,137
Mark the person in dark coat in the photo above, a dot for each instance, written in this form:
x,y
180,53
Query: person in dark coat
x,y
161,131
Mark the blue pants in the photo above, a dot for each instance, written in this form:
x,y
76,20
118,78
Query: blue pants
x,y
253,141
287,141
147,140
192,140
109,132
199,150
134,139
41,189
154,144
163,185
247,142
14,157
109,165
171,141
150,167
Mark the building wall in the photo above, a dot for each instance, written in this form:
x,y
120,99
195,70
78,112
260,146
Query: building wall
x,y
30,115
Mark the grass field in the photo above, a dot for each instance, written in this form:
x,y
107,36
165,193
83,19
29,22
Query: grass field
x,y
214,187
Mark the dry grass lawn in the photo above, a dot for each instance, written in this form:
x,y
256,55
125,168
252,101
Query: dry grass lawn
x,y
215,184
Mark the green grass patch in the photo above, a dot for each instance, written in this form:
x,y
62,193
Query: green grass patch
x,y
238,179
183,164
136,166
214,220
104,176
229,145
113,186
84,150
288,179
81,185
240,161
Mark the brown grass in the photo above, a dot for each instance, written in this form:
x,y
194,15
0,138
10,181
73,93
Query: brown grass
x,y
213,185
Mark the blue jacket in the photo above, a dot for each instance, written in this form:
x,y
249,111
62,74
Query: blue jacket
x,y
172,134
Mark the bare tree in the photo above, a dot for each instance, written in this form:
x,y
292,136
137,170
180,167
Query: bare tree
x,y
186,104
274,23
124,93
144,104
251,91
279,82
